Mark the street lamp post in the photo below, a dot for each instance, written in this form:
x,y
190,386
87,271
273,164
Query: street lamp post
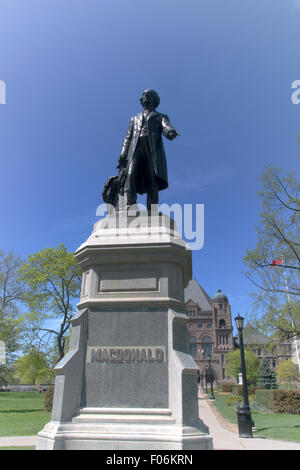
x,y
206,390
203,352
211,378
243,411
209,375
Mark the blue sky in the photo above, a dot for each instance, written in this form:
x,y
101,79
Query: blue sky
x,y
74,71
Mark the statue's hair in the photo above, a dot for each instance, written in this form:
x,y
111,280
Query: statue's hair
x,y
156,98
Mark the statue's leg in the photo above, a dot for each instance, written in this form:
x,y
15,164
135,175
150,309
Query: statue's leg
x,y
152,194
152,198
131,182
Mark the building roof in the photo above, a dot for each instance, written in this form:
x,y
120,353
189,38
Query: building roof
x,y
252,336
220,297
196,293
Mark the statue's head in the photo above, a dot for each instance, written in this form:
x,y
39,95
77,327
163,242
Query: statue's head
x,y
150,99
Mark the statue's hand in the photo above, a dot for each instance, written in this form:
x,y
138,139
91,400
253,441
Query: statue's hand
x,y
122,161
172,134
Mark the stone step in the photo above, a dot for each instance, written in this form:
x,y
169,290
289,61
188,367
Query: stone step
x,y
124,415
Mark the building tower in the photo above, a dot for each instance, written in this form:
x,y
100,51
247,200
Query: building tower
x,y
223,338
210,329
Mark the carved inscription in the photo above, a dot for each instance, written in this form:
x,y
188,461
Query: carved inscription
x,y
136,354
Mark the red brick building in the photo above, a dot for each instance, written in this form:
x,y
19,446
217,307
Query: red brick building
x,y
210,329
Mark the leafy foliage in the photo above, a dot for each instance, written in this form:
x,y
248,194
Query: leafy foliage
x,y
52,278
276,298
33,368
11,295
287,372
233,400
233,365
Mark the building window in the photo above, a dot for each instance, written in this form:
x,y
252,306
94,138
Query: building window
x,y
208,325
206,346
222,324
200,325
193,349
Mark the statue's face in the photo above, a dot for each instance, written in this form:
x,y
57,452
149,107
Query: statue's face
x,y
148,101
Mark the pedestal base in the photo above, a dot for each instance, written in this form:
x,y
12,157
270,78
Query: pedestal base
x,y
122,429
128,381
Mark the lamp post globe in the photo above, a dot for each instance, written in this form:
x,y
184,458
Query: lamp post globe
x,y
239,320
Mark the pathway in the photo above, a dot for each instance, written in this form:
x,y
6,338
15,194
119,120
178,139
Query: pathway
x,y
226,439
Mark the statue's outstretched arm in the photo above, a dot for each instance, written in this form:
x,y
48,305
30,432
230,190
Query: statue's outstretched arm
x,y
168,130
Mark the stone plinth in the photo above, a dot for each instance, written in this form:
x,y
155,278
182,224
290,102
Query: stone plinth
x,y
128,381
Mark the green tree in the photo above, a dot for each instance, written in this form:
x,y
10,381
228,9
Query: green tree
x,y
33,368
266,376
277,286
287,372
52,279
11,296
233,365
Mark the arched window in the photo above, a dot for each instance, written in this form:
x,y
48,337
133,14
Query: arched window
x,y
222,323
206,345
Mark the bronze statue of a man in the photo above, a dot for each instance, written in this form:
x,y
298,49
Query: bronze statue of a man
x,y
142,162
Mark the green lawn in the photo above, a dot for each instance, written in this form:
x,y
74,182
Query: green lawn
x,y
284,427
17,448
22,413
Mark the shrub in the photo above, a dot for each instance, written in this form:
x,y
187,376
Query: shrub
x,y
264,399
251,390
286,401
233,399
227,387
238,390
279,401
48,399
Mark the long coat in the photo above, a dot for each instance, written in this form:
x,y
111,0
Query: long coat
x,y
158,124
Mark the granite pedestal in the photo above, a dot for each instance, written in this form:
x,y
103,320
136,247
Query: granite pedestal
x,y
128,381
